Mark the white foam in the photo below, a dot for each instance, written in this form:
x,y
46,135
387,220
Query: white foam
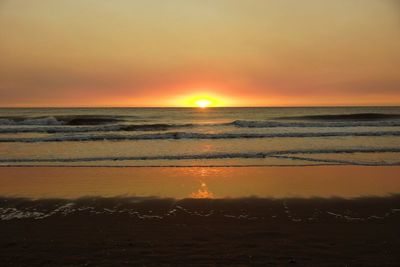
x,y
289,154
36,121
275,124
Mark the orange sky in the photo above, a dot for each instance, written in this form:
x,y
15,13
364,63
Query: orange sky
x,y
164,53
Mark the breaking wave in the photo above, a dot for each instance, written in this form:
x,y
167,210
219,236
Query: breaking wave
x,y
60,120
102,128
289,154
351,117
275,124
186,135
34,121
82,125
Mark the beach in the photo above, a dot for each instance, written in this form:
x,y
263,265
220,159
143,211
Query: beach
x,y
118,217
193,232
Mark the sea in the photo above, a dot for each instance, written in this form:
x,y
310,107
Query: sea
x,y
172,137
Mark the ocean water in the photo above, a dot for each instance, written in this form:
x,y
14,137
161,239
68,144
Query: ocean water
x,y
200,137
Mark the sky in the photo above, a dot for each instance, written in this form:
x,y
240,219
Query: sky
x,y
70,53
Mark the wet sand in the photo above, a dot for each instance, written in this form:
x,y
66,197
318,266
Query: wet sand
x,y
181,182
200,232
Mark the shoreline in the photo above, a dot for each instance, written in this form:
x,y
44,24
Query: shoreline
x,y
203,166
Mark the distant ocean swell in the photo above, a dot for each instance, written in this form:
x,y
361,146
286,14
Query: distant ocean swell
x,y
287,154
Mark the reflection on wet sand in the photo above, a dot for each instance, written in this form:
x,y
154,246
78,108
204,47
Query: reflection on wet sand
x,y
203,192
220,182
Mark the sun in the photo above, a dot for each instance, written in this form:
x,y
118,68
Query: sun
x,y
203,103
201,100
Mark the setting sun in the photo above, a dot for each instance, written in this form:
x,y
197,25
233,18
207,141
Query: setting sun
x,y
203,103
201,100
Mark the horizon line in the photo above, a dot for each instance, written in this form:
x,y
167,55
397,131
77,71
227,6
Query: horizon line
x,y
194,107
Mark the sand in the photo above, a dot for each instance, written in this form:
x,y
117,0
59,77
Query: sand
x,y
200,232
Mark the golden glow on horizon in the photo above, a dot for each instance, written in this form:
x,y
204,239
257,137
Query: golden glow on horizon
x,y
202,100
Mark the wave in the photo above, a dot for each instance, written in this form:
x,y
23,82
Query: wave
x,y
185,135
352,117
251,155
50,126
275,124
103,128
73,124
33,121
60,120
